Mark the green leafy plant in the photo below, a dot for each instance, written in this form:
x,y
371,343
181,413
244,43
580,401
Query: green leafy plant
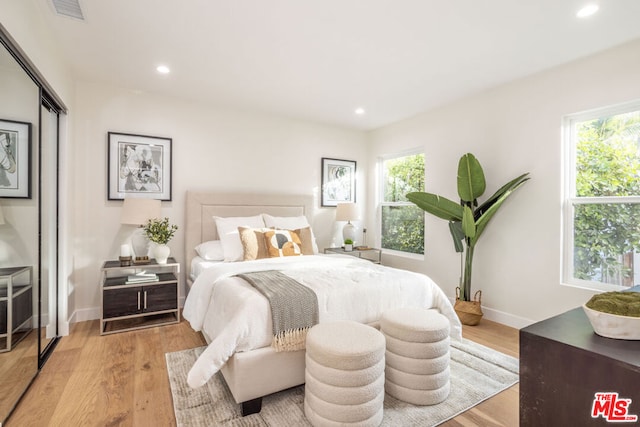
x,y
348,242
159,231
467,219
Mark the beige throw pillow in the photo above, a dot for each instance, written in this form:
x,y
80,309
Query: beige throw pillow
x,y
306,240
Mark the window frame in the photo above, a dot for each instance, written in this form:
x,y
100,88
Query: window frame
x,y
569,198
381,202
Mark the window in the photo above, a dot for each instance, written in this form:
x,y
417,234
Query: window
x,y
402,222
602,206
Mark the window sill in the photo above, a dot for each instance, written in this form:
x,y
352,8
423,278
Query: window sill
x,y
593,286
400,254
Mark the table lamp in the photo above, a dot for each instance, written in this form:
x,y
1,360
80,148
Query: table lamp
x,y
138,212
347,212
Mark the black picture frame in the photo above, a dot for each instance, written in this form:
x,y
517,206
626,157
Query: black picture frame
x,y
138,166
15,159
338,181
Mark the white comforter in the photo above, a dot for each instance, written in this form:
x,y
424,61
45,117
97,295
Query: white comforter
x,y
236,317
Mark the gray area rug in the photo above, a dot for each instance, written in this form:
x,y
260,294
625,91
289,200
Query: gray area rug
x,y
477,373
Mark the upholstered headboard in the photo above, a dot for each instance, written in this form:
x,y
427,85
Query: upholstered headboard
x,y
201,207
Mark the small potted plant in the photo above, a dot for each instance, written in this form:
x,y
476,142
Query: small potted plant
x,y
348,245
160,232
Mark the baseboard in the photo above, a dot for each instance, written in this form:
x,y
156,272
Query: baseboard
x,y
507,319
85,314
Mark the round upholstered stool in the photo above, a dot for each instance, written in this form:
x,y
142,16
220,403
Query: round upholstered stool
x,y
417,356
344,375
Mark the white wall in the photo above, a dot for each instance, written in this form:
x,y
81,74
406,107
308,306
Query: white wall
x,y
212,149
512,129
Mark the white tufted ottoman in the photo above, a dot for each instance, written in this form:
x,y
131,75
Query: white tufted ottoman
x,y
344,375
417,357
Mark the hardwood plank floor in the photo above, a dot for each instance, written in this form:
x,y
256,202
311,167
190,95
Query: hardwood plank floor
x,y
121,379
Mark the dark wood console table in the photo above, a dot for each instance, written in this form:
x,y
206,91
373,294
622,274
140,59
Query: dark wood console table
x,y
563,364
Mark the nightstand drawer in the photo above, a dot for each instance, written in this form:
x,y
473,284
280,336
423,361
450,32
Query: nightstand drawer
x,y
139,299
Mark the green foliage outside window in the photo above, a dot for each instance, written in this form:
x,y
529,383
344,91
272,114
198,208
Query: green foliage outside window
x,y
402,224
606,235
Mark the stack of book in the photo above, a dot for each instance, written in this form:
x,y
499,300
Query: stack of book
x,y
142,277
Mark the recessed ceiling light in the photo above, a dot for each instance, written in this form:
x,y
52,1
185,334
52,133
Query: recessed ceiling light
x,y
587,11
163,69
360,111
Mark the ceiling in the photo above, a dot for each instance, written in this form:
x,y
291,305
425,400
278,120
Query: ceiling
x,y
319,60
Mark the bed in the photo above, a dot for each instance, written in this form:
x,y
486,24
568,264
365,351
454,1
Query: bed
x,y
234,317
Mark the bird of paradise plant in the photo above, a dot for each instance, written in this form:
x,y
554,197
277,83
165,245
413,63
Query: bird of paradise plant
x,y
467,219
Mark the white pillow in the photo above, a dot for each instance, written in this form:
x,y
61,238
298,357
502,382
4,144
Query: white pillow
x,y
211,250
290,223
229,236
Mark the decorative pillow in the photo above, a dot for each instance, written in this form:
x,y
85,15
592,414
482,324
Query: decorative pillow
x,y
229,236
253,243
291,223
211,250
306,240
281,243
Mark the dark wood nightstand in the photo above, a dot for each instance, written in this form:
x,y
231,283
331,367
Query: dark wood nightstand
x,y
128,305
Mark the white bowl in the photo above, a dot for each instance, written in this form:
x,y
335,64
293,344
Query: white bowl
x,y
613,325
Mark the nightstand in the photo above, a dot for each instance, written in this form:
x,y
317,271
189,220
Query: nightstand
x,y
371,254
134,304
16,305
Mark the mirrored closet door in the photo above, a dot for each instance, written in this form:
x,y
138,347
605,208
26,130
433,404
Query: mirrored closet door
x,y
29,123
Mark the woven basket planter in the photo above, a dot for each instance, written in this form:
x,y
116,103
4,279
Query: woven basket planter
x,y
469,312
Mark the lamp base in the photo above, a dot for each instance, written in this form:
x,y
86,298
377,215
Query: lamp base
x,y
349,232
140,245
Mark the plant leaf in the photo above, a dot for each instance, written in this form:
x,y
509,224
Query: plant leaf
x,y
471,182
509,186
468,223
483,220
436,205
455,227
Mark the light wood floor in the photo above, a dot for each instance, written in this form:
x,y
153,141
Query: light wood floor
x,y
17,368
121,379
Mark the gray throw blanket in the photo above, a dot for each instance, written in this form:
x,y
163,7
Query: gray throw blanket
x,y
294,307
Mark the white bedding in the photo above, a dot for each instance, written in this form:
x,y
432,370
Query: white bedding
x,y
199,264
237,317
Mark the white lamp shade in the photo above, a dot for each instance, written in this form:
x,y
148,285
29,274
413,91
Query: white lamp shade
x,y
139,211
346,212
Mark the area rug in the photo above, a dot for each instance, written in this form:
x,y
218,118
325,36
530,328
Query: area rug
x,y
477,373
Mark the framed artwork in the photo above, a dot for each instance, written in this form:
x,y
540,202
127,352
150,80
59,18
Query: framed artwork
x,y
138,165
338,181
15,159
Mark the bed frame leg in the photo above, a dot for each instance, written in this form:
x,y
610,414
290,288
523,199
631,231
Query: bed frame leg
x,y
251,406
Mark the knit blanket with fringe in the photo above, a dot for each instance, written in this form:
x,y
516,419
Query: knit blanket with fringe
x,y
294,307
